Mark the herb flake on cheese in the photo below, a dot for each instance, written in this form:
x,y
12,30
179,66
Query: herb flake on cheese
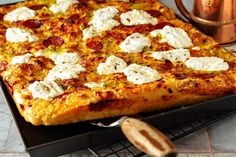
x,y
112,65
175,37
137,17
45,90
64,71
139,74
207,64
176,55
135,43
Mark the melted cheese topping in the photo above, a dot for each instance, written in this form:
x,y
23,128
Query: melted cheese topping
x,y
102,21
139,74
105,13
135,43
106,25
21,59
112,65
19,14
17,35
18,98
196,48
207,64
94,85
62,6
137,17
176,55
90,32
65,57
64,71
175,37
45,90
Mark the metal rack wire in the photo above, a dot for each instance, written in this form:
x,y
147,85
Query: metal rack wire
x,y
124,148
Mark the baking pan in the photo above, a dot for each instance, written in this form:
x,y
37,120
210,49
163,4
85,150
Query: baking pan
x,y
62,139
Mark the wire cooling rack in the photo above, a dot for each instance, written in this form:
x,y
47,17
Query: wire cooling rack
x,y
174,133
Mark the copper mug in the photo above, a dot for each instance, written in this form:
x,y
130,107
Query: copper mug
x,y
216,18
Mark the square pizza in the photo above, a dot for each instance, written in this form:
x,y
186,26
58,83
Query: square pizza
x,y
67,61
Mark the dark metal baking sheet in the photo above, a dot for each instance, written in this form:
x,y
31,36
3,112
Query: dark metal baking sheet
x,y
174,133
57,140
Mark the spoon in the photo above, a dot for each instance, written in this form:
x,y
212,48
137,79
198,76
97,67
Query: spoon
x,y
143,136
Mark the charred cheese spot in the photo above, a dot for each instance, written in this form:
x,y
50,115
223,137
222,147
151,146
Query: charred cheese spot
x,y
2,29
75,18
170,90
101,105
1,16
22,107
180,76
105,95
3,66
166,97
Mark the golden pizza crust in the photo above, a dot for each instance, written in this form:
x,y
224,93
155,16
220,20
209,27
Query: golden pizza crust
x,y
102,103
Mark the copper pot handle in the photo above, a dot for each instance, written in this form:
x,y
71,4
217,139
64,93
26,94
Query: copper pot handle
x,y
182,8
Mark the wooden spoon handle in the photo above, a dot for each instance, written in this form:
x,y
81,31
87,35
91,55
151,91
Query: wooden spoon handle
x,y
147,138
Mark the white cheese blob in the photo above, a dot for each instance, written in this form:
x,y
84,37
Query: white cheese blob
x,y
18,98
207,64
45,90
90,32
112,65
137,17
21,59
65,57
102,21
94,85
135,43
19,14
17,35
105,13
175,37
64,71
139,74
62,6
106,25
176,55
